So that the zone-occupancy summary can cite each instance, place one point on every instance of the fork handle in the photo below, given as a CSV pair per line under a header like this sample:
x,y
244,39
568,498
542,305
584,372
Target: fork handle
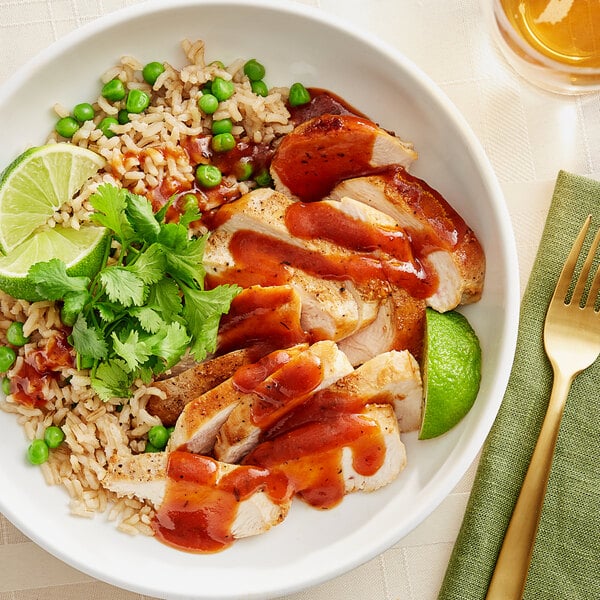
x,y
510,575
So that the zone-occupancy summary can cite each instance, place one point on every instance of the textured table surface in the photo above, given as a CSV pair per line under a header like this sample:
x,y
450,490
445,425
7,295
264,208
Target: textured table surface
x,y
528,135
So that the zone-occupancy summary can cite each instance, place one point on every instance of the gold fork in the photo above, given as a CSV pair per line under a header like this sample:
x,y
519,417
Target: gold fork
x,y
572,343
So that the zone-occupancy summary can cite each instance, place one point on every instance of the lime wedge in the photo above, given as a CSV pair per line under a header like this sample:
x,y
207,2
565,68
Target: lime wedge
x,y
451,371
39,182
82,250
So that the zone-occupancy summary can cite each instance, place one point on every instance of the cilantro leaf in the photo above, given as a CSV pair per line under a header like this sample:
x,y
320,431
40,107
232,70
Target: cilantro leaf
x,y
141,217
173,236
109,311
88,340
73,305
185,263
149,266
165,298
202,311
132,350
149,319
170,343
110,204
111,380
123,286
52,281
190,214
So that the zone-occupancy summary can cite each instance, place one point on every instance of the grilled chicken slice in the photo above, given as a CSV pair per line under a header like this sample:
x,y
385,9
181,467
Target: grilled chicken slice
x,y
317,368
197,426
389,378
193,382
328,457
439,234
324,150
140,475
262,318
164,478
399,325
332,307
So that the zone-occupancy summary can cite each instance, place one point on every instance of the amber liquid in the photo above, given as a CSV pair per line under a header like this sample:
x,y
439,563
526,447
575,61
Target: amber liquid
x,y
565,31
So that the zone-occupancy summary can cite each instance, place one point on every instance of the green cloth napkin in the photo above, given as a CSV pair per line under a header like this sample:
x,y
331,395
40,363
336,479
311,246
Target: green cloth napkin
x,y
566,557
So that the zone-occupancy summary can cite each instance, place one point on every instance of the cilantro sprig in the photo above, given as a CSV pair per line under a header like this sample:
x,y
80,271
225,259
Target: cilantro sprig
x,y
142,312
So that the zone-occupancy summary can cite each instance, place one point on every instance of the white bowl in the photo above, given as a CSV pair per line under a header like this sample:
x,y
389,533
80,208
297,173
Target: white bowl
x,y
295,43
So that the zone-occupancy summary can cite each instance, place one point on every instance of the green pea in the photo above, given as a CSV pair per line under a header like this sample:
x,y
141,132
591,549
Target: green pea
x,y
259,88
243,171
222,126
222,89
150,448
14,334
208,103
298,95
105,126
6,386
254,70
83,112
208,176
158,436
171,429
152,71
189,202
207,88
114,90
54,436
38,452
222,142
7,358
123,117
66,127
263,179
137,101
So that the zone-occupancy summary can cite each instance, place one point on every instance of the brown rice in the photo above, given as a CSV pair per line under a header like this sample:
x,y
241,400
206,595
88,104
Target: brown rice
x,y
145,153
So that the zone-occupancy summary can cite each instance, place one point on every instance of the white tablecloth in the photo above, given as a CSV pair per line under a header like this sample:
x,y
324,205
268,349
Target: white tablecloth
x,y
528,135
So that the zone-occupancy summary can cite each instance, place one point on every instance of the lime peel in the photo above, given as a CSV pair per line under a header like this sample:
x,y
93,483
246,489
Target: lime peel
x,y
451,371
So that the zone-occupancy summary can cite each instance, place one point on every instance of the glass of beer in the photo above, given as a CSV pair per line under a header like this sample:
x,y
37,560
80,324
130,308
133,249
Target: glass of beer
x,y
554,44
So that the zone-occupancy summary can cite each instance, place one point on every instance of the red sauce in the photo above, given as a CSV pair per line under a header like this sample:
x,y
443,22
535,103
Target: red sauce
x,y
200,507
277,387
265,317
377,253
311,455
447,227
40,366
323,152
323,102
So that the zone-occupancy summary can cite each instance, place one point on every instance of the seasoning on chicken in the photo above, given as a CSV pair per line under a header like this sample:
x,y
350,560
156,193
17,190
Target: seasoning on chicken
x,y
323,151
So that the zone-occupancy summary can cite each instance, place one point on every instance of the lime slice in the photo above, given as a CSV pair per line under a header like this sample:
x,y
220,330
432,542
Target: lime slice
x,y
39,182
82,251
451,373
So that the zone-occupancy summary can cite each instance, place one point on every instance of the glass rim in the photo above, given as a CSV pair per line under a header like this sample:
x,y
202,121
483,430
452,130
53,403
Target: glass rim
x,y
528,50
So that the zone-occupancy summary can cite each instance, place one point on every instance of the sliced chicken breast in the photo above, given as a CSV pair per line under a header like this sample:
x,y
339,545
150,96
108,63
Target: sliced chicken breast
x,y
256,498
262,318
197,427
389,378
399,325
140,475
255,413
328,457
332,306
439,235
324,150
193,382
